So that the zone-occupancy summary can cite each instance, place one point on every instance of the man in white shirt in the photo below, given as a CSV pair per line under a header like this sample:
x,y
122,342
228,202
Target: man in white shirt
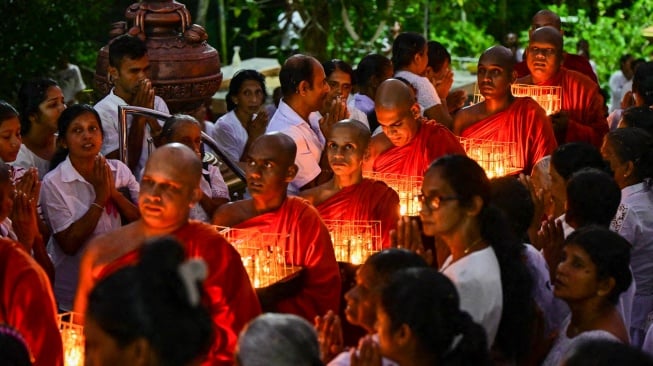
x,y
129,67
618,79
304,87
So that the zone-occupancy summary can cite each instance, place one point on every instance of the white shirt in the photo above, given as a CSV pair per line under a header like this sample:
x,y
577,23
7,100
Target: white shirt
x,y
231,136
65,197
354,113
427,97
309,141
617,82
344,358
477,278
364,103
217,188
27,159
107,108
71,82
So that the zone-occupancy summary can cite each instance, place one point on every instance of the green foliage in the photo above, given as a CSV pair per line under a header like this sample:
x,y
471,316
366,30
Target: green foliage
x,y
464,39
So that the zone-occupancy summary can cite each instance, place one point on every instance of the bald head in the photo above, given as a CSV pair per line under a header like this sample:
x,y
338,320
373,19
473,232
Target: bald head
x,y
498,55
282,145
545,18
548,35
354,129
176,158
394,93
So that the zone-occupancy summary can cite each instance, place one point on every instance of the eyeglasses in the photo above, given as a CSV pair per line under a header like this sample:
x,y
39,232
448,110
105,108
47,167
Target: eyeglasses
x,y
546,52
433,202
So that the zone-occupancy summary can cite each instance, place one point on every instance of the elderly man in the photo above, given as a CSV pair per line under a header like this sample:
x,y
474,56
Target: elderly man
x,y
269,169
547,18
348,196
581,115
168,191
129,68
304,87
503,118
409,143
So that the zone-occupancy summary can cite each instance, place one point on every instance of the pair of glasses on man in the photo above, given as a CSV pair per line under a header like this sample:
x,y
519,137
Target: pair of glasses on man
x,y
433,202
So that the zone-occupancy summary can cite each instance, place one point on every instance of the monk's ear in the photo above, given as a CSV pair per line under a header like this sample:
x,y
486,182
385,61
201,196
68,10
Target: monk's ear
x,y
197,196
416,110
513,76
291,173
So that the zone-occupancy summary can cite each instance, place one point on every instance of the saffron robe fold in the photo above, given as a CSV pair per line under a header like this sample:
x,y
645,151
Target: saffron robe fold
x,y
27,303
584,105
523,122
432,141
230,299
368,200
308,244
570,61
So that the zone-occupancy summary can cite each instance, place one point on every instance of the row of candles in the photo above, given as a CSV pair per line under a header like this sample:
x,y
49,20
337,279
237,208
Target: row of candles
x,y
548,97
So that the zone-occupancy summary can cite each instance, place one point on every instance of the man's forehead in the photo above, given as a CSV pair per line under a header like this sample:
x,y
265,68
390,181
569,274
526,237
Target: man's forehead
x,y
542,44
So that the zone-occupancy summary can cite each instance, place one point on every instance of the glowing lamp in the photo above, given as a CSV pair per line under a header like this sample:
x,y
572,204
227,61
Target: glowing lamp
x,y
496,158
407,187
548,97
264,256
72,337
354,240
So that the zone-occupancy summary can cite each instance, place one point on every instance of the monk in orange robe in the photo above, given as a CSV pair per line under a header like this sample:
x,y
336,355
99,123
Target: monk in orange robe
x,y
409,143
269,169
581,117
544,18
503,118
349,196
168,191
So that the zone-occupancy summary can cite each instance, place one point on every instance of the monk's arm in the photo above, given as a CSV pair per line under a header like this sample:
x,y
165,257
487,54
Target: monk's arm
x,y
594,126
85,284
440,113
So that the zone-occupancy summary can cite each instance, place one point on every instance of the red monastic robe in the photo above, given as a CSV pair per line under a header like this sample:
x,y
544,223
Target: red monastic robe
x,y
432,141
308,245
524,123
231,301
584,105
368,200
28,305
570,61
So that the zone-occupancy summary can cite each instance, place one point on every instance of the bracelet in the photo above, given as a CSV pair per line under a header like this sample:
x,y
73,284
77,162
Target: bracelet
x,y
98,206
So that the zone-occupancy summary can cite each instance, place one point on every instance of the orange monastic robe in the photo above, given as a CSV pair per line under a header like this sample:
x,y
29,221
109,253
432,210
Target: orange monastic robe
x,y
27,303
432,141
584,105
524,123
308,245
368,200
231,299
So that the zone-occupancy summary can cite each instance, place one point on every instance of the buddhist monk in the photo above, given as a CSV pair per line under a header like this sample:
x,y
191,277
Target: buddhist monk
x,y
544,18
409,143
581,116
349,196
501,117
269,169
169,188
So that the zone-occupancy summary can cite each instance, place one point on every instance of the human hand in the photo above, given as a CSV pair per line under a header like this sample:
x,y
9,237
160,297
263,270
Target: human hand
x,y
537,196
551,237
337,112
329,335
24,219
443,84
456,100
408,236
368,353
101,179
144,96
30,185
257,126
628,100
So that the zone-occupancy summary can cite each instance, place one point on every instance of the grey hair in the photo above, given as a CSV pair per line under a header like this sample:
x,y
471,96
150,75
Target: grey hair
x,y
278,340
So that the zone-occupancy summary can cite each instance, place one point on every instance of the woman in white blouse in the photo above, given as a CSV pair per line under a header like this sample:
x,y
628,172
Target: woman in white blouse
x,y
81,196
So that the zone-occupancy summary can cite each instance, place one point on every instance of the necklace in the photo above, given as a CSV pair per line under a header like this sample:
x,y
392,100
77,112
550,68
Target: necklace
x,y
474,244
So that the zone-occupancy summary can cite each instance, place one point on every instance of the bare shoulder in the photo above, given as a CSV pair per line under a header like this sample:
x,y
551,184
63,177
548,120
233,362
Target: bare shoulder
x,y
318,194
232,213
466,117
107,247
378,144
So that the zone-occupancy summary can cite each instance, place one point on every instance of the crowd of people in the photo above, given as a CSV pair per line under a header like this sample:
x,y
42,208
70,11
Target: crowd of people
x,y
546,266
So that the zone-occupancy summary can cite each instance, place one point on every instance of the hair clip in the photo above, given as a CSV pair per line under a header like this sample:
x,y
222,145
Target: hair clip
x,y
191,272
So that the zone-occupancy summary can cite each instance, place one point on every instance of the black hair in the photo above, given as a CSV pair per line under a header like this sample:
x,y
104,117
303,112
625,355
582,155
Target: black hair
x,y
514,199
126,46
7,111
65,119
468,180
336,64
571,157
643,82
237,82
593,198
388,261
405,47
30,95
609,252
427,302
641,117
624,58
636,145
438,54
150,300
170,125
601,352
296,69
373,65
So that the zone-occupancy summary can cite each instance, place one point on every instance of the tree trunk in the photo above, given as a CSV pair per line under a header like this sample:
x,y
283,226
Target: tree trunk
x,y
202,10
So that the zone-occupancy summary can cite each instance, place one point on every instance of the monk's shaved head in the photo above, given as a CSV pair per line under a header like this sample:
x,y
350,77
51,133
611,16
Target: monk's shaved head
x,y
354,129
282,145
498,55
545,18
176,158
548,35
394,93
